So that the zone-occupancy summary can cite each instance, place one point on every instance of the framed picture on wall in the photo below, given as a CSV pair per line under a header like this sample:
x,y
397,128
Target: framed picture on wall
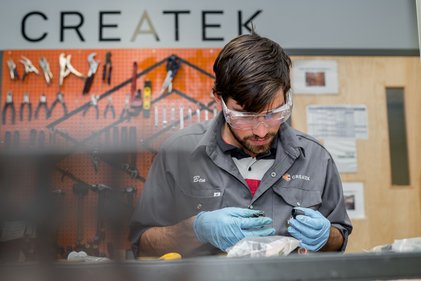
x,y
315,77
354,199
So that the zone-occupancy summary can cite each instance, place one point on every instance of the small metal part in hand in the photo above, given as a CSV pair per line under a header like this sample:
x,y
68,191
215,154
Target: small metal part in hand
x,y
296,212
261,214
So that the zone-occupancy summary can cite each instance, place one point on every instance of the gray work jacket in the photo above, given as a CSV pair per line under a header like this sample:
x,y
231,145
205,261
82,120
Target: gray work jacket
x,y
191,174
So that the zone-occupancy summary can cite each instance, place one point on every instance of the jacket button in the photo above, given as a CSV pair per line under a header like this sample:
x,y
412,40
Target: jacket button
x,y
273,174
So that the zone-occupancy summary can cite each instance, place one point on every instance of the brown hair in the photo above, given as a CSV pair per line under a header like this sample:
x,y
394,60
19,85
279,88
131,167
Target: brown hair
x,y
251,69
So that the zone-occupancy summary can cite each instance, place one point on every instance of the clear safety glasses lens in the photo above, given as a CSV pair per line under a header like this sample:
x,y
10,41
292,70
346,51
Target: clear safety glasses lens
x,y
248,120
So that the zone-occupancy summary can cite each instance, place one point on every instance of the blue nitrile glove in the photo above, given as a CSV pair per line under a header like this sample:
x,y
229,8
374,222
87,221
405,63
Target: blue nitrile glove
x,y
312,229
223,228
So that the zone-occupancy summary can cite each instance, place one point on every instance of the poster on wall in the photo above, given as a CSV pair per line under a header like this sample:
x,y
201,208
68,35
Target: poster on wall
x,y
315,77
354,199
337,121
344,153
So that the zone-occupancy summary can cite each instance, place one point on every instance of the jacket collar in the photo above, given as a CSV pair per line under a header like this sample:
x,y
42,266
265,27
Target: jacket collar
x,y
287,140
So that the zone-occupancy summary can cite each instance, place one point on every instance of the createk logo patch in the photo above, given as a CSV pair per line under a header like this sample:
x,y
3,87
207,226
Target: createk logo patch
x,y
288,177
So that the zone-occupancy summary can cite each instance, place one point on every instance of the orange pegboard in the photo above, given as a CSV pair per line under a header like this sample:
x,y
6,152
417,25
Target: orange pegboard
x,y
78,135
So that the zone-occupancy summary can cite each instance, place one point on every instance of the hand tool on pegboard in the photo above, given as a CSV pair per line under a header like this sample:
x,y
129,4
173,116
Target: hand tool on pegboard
x,y
125,113
164,116
173,118
29,67
147,98
42,104
130,193
58,207
13,72
80,190
135,94
121,206
93,103
156,116
32,137
9,105
190,113
133,82
206,115
107,69
173,65
41,138
66,68
131,166
45,66
93,66
181,116
52,138
109,107
7,139
25,103
65,173
94,155
101,190
16,138
59,99
116,216
198,114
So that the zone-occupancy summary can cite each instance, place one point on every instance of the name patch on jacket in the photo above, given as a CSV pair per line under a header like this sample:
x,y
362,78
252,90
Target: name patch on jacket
x,y
288,177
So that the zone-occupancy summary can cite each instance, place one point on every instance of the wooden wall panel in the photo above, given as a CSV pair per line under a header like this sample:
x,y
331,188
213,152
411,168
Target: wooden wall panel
x,y
392,212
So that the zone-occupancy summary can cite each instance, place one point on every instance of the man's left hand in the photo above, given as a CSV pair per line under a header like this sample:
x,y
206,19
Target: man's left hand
x,y
312,229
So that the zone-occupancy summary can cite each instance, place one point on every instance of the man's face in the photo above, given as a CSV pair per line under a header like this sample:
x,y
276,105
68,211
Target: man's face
x,y
258,138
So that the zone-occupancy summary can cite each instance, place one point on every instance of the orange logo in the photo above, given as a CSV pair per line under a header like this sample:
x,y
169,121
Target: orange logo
x,y
286,177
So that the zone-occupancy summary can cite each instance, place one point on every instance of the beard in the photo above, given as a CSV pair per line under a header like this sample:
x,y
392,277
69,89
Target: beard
x,y
255,149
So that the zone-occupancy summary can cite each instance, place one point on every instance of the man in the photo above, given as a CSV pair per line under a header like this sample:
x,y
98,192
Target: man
x,y
242,173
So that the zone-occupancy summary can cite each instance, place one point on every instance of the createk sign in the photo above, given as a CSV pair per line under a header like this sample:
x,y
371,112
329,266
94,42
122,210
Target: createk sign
x,y
38,26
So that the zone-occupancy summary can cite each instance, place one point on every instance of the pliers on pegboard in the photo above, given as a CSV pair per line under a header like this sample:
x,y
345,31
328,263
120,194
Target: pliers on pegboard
x,y
93,103
59,99
109,107
107,69
173,64
12,69
66,68
42,104
9,104
25,103
93,66
29,67
45,66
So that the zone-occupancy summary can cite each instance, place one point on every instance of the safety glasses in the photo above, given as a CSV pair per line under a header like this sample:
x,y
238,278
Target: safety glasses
x,y
249,120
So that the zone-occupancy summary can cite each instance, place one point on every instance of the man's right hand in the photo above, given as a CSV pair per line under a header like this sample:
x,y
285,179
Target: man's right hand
x,y
223,228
